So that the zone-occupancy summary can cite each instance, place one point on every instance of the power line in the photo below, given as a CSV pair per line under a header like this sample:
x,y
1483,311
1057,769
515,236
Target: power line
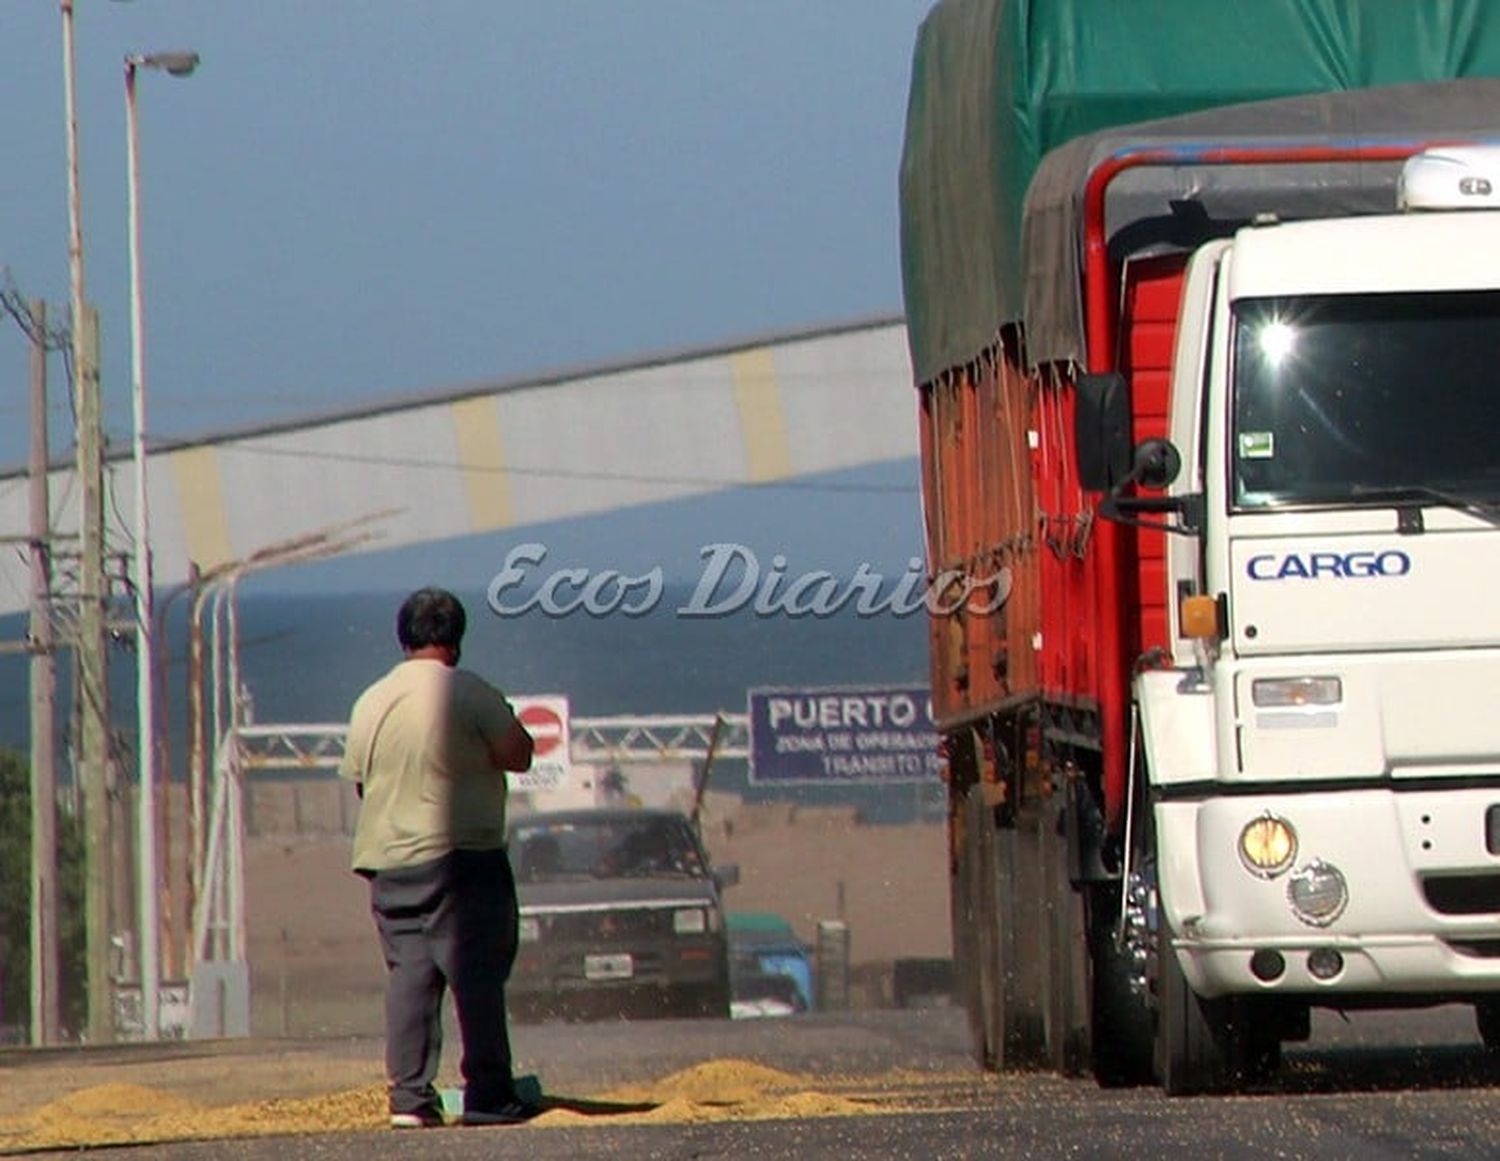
x,y
390,461
37,332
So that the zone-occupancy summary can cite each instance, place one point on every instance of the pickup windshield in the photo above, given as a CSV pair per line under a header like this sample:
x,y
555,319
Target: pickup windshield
x,y
1367,400
610,847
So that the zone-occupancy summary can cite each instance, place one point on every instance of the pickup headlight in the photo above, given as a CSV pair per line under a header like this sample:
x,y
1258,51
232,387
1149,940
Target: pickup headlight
x,y
1267,846
1291,692
529,929
689,921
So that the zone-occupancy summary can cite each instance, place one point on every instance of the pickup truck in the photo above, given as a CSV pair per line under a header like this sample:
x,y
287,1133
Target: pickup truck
x,y
621,915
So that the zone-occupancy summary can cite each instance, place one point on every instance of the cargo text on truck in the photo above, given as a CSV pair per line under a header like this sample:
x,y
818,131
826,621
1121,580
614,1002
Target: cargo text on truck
x,y
1215,388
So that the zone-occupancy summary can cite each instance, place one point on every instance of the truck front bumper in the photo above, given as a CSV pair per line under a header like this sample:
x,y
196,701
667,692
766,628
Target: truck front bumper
x,y
1422,916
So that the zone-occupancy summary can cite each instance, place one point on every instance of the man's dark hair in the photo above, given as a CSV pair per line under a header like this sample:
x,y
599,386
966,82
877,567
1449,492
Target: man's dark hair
x,y
431,616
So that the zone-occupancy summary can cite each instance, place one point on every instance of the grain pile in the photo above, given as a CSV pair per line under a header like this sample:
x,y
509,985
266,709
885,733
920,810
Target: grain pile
x,y
120,1114
125,1114
718,1090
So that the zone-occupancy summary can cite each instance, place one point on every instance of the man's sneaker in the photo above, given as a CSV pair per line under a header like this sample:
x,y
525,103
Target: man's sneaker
x,y
510,1113
426,1119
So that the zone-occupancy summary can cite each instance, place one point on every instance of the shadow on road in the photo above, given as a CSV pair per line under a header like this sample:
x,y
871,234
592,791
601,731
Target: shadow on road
x,y
594,1108
1387,1069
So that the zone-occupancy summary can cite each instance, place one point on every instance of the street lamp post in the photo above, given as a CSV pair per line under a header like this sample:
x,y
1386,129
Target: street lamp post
x,y
205,585
177,64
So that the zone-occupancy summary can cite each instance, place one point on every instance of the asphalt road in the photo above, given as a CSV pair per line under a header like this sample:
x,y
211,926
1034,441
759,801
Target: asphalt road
x,y
1379,1086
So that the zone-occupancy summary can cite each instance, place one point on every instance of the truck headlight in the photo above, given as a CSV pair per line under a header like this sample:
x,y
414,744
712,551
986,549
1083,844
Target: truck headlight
x,y
529,929
1267,846
1318,893
1291,692
689,921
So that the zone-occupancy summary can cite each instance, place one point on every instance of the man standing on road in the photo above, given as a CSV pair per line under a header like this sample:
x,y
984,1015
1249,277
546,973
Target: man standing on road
x,y
428,750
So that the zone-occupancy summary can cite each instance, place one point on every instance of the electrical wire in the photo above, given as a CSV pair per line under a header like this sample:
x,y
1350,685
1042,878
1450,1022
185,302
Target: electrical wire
x,y
123,533
49,338
560,473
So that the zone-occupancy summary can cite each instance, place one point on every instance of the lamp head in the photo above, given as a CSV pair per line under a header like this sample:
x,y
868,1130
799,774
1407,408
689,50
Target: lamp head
x,y
177,64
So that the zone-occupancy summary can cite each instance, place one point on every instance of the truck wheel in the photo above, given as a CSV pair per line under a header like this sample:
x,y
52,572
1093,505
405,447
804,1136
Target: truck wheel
x,y
1190,1032
1487,1017
1219,1045
1065,974
974,920
961,919
1024,950
702,1001
1121,1031
989,936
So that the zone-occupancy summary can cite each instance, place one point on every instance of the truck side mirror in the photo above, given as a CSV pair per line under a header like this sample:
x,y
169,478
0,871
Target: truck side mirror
x,y
1101,431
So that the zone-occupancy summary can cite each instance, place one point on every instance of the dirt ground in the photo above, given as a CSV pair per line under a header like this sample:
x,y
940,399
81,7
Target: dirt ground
x,y
141,1094
316,980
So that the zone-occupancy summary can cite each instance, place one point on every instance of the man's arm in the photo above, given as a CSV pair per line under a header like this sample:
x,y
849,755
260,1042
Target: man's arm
x,y
512,749
507,740
352,764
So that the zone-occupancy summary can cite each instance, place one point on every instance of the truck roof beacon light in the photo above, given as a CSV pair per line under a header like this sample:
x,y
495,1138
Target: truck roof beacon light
x,y
1452,177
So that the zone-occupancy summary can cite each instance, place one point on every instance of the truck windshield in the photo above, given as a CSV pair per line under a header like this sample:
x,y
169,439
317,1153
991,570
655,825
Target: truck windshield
x,y
1367,400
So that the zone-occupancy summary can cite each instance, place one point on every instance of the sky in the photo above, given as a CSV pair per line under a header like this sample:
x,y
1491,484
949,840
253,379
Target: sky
x,y
356,199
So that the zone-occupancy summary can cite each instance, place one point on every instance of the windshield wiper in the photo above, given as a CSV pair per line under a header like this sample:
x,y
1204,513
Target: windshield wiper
x,y
1487,510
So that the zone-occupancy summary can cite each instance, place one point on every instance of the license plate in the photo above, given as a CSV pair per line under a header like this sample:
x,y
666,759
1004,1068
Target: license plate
x,y
608,967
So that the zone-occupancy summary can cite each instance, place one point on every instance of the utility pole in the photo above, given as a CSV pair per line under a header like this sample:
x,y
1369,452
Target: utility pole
x,y
45,1005
91,690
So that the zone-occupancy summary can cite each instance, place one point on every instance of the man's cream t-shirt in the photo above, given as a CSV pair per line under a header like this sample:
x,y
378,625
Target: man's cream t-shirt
x,y
419,742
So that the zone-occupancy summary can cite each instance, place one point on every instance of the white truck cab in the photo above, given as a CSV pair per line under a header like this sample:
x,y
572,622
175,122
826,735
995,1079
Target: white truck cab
x,y
1324,761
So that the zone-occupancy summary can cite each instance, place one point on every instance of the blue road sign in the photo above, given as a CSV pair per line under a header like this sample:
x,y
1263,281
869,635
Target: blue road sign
x,y
843,735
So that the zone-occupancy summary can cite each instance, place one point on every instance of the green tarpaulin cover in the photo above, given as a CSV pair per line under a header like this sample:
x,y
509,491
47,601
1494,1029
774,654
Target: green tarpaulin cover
x,y
998,84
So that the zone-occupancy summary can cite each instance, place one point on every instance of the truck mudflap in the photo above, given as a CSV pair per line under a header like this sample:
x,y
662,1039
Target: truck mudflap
x,y
1370,892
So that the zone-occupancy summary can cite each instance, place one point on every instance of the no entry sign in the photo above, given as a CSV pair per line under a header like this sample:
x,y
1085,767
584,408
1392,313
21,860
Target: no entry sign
x,y
545,717
548,728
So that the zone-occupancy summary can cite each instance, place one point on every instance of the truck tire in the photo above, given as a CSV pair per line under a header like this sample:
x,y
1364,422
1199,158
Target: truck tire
x,y
1210,1046
1190,1032
974,924
988,936
702,1001
1487,1018
961,920
1065,977
1121,1029
1024,948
